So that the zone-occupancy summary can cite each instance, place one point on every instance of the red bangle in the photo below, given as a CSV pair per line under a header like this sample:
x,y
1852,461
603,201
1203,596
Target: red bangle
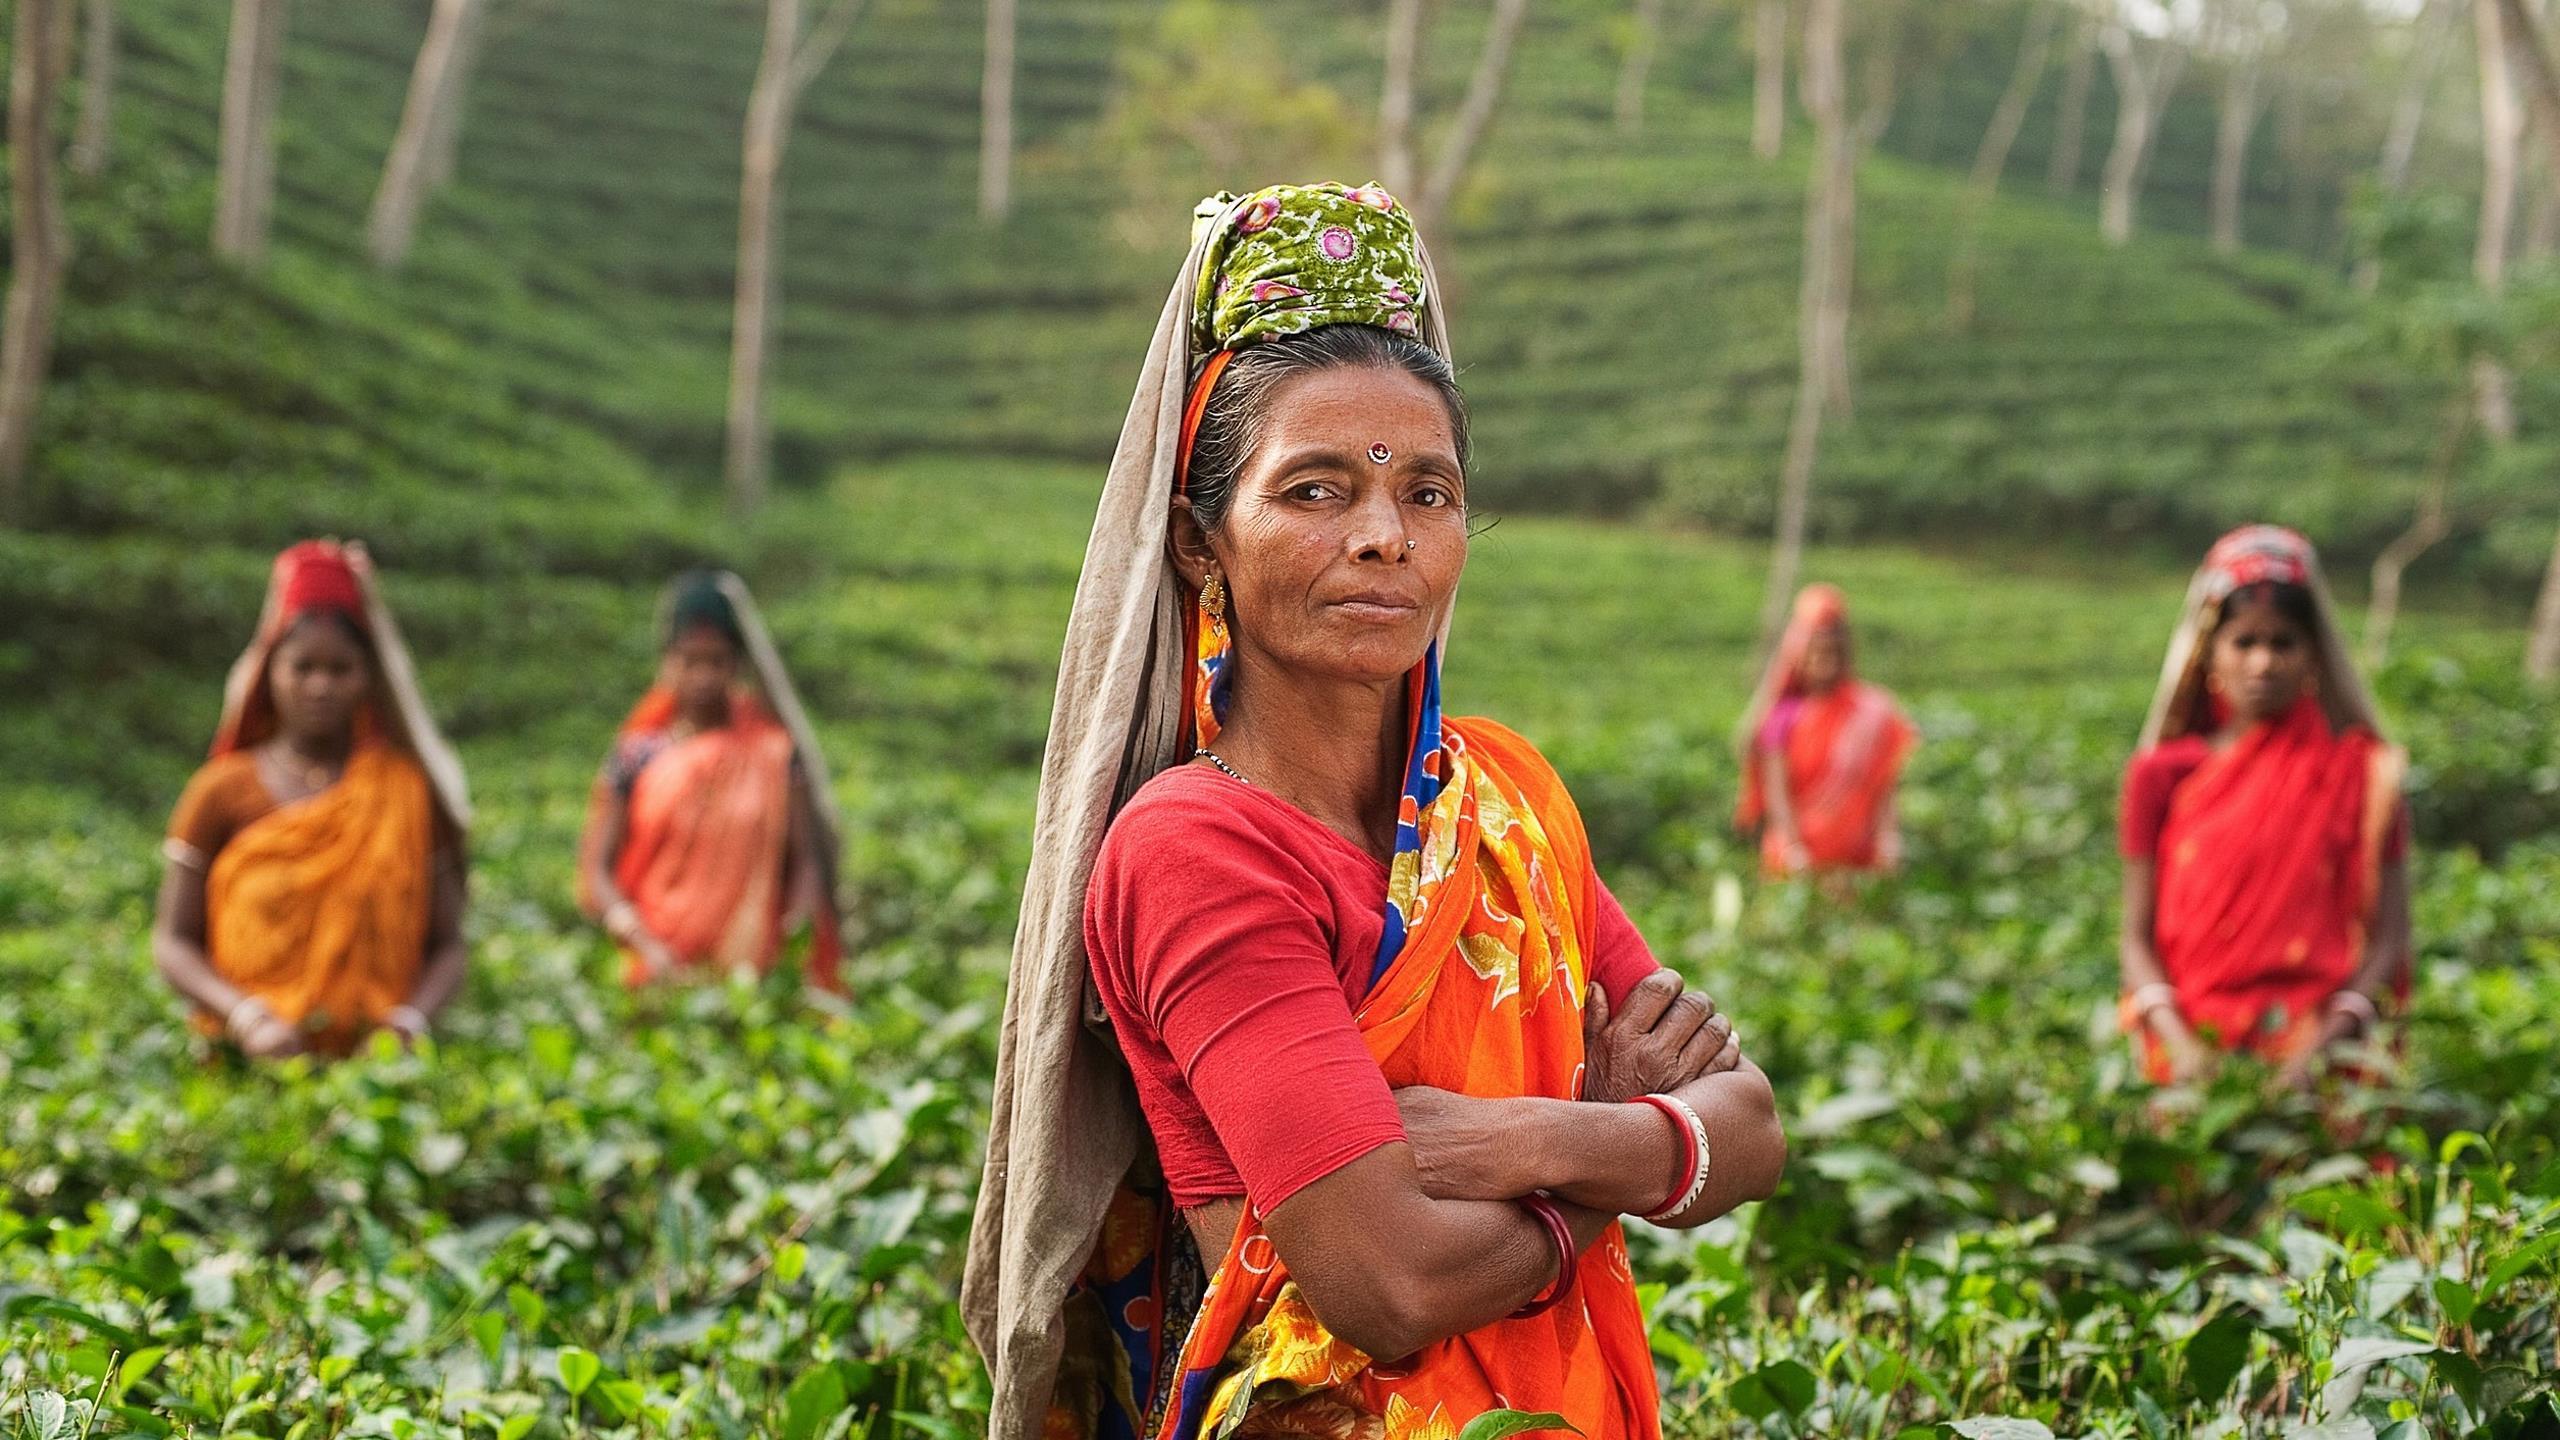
x,y
1688,1152
1562,1234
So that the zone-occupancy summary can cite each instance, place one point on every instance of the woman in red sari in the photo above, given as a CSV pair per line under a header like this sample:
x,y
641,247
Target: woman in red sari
x,y
2266,887
1385,1062
1822,751
711,834
314,887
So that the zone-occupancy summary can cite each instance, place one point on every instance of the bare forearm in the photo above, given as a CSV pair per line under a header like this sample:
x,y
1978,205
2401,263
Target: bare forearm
x,y
182,962
1626,1159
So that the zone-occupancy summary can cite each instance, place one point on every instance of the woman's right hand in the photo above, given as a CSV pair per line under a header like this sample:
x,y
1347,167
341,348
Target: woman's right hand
x,y
656,958
2190,1059
264,1035
1662,1039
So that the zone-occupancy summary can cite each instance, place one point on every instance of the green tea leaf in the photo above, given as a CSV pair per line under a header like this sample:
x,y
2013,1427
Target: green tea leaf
x,y
1502,1424
578,1370
2215,1354
813,1400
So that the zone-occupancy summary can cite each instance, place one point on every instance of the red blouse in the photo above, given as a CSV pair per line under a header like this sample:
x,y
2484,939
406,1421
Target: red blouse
x,y
1230,934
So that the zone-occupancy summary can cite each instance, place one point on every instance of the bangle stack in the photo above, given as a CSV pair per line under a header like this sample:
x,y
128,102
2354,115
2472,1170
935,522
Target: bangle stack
x,y
620,919
2137,1008
1549,1216
408,1020
1696,1158
2358,1004
231,1022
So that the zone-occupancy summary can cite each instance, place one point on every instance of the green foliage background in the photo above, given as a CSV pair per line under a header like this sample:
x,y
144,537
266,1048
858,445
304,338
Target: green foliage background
x,y
733,1212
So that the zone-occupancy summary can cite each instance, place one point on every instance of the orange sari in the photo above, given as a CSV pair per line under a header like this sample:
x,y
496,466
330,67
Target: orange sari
x,y
320,908
1843,750
1484,998
707,841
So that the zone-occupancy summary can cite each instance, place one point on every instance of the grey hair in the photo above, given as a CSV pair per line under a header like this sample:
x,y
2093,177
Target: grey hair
x,y
1231,424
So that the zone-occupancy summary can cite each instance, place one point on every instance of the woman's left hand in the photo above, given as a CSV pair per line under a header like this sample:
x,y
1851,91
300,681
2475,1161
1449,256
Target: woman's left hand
x,y
1456,1145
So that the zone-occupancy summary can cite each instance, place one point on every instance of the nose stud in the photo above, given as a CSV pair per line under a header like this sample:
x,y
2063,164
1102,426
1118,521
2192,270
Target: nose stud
x,y
1379,452
1413,544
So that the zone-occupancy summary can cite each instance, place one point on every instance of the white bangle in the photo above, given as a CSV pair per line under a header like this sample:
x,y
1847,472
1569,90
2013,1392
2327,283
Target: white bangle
x,y
1697,1182
620,919
2358,1004
409,1020
2147,998
231,1018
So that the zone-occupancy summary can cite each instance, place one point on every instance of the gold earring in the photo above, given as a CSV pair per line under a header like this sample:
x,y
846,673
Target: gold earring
x,y
1213,597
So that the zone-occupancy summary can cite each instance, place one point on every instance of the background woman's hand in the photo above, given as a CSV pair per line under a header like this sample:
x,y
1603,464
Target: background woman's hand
x,y
655,958
1662,1039
268,1036
2190,1059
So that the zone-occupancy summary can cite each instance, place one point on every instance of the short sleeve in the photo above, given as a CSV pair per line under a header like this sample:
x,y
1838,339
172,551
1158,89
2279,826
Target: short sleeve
x,y
2149,781
1229,942
208,815
1619,956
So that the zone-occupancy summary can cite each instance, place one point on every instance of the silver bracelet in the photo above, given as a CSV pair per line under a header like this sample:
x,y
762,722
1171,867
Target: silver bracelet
x,y
2359,1004
409,1020
1697,1182
231,1018
2147,998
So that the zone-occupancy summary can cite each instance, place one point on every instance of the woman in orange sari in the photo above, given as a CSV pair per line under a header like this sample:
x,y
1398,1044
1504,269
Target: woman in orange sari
x,y
1329,1066
711,835
2266,887
1822,751
314,886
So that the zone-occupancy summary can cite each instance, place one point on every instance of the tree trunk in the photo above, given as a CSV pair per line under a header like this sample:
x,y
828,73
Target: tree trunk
x,y
1475,114
2542,644
96,128
2231,152
2427,49
1395,98
444,139
436,87
39,239
2502,126
2525,47
1991,158
2071,114
995,115
1768,78
1638,64
2382,610
245,172
2143,83
1827,190
746,465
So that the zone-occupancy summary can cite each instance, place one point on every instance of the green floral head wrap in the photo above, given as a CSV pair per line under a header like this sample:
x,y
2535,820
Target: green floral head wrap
x,y
1295,257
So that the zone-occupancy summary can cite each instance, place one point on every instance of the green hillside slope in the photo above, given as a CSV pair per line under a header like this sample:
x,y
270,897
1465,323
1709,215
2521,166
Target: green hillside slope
x,y
527,420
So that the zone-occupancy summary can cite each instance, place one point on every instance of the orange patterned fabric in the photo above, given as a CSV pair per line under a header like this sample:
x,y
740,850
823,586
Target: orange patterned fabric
x,y
1485,998
320,908
706,840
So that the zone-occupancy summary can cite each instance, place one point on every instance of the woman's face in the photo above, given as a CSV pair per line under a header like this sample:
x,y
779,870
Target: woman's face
x,y
1826,659
701,666
318,678
2261,661
1347,532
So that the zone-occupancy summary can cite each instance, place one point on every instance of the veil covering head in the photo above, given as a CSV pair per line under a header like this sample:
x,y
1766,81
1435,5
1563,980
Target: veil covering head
x,y
2252,555
1065,1126
330,577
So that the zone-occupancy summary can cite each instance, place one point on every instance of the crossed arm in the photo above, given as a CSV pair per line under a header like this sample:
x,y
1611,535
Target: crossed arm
x,y
1416,1242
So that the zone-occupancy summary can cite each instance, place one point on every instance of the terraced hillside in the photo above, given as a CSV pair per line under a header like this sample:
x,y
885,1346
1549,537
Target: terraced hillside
x,y
527,420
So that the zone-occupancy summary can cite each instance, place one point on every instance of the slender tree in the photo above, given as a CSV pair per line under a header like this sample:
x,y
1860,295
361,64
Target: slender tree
x,y
2071,110
1644,37
1395,97
2524,42
793,56
1768,78
245,169
1826,228
2430,37
95,130
2433,522
2146,73
1991,158
2242,31
2502,127
39,237
995,115
1475,113
429,118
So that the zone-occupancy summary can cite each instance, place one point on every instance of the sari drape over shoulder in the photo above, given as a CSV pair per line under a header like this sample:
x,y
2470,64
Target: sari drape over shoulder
x,y
1844,750
707,839
2269,857
321,908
